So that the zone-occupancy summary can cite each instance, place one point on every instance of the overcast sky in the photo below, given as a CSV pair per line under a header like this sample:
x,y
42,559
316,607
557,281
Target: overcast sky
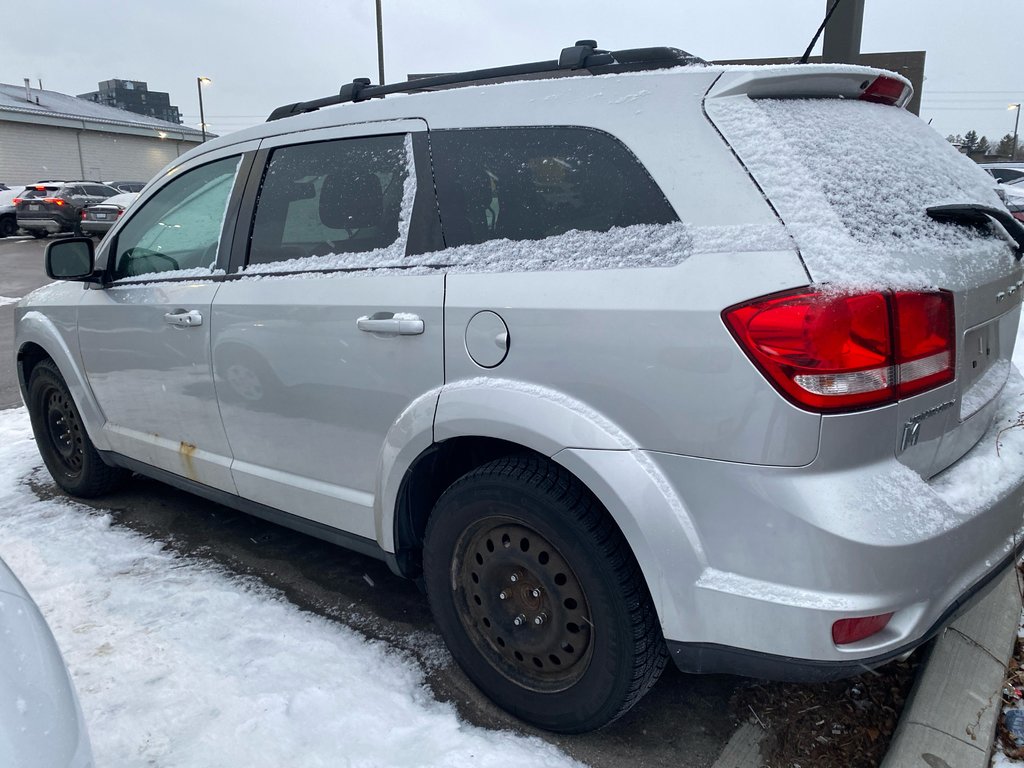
x,y
261,53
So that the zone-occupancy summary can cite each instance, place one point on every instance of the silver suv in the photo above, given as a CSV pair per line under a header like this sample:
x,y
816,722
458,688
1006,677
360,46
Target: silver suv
x,y
625,356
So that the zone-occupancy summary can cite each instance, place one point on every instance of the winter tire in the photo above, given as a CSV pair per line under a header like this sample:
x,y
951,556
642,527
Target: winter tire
x,y
539,597
66,449
8,226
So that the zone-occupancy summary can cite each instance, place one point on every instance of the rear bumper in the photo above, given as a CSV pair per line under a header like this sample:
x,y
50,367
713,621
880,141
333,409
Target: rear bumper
x,y
52,226
96,227
704,658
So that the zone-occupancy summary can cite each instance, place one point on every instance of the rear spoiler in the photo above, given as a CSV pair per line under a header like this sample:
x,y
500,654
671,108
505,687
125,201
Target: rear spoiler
x,y
814,81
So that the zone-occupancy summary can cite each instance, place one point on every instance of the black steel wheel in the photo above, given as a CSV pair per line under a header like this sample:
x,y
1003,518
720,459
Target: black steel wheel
x,y
63,443
8,226
539,597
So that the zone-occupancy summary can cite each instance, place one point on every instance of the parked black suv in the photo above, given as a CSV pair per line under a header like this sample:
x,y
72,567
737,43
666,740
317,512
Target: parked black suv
x,y
47,208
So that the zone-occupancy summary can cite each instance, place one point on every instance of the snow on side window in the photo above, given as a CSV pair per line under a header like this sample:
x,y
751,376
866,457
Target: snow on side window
x,y
334,205
852,181
538,182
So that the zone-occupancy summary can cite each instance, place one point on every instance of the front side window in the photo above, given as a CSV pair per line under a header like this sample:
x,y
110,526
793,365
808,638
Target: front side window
x,y
333,197
534,183
179,227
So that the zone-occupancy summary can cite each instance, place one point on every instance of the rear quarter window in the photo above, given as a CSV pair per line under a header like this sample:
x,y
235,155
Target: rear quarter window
x,y
538,182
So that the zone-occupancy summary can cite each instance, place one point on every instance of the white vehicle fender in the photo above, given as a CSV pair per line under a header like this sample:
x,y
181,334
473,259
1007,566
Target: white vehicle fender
x,y
36,328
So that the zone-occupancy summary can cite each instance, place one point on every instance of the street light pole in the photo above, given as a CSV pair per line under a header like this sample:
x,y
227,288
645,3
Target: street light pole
x,y
1016,122
200,82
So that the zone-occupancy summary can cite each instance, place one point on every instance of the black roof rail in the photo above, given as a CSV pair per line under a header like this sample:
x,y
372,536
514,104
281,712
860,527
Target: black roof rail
x,y
584,55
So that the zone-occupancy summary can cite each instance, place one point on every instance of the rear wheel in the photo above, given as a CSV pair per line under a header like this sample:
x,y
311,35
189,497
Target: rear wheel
x,y
539,597
66,449
8,226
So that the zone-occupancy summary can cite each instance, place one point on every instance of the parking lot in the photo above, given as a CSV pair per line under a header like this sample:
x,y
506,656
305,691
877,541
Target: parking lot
x,y
685,721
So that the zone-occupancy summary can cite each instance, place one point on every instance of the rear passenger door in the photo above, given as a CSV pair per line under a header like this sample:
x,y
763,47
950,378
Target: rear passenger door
x,y
321,336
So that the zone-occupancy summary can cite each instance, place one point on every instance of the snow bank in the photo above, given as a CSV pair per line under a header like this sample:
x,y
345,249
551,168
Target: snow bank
x,y
178,663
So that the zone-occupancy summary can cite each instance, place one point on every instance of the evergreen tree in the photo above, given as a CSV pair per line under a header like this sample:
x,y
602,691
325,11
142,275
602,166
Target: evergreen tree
x,y
1005,146
970,141
983,146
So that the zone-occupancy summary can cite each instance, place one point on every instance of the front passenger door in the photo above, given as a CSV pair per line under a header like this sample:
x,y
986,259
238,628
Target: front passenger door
x,y
145,338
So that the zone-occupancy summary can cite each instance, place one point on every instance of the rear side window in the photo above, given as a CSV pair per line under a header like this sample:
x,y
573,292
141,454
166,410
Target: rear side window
x,y
533,183
332,197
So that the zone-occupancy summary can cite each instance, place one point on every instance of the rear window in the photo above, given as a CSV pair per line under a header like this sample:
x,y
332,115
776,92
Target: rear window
x,y
534,183
853,180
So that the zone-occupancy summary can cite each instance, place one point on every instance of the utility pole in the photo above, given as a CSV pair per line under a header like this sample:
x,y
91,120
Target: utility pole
x,y
1016,122
843,32
380,45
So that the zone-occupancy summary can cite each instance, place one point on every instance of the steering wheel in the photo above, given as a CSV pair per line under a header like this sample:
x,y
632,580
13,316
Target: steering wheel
x,y
134,258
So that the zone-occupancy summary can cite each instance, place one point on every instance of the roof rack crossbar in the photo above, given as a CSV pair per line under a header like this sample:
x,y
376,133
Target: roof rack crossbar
x,y
583,55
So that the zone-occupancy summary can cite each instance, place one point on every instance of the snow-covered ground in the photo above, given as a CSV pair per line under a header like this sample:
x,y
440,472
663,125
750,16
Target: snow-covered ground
x,y
179,663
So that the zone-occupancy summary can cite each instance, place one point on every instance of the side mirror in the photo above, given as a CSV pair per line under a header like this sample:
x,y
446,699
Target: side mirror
x,y
72,258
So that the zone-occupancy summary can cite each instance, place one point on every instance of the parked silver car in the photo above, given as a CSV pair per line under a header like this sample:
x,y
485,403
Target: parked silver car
x,y
41,724
97,219
636,359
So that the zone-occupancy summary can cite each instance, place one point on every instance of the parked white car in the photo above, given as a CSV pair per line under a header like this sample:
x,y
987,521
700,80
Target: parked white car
x,y
41,724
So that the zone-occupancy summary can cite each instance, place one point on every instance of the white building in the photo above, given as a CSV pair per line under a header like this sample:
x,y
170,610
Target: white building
x,y
50,135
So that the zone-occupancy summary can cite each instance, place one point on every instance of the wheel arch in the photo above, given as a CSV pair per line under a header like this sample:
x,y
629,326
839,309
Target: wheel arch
x,y
474,425
40,339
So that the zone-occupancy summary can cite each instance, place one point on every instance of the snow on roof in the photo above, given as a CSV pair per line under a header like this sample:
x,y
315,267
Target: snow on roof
x,y
51,104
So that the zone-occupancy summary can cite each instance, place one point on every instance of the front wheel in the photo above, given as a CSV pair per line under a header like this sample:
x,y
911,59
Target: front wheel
x,y
66,449
539,597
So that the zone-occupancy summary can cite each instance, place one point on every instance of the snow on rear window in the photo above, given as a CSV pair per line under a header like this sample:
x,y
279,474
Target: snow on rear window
x,y
852,180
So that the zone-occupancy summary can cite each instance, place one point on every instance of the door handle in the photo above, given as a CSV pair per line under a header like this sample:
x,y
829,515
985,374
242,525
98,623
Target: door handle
x,y
389,324
184,319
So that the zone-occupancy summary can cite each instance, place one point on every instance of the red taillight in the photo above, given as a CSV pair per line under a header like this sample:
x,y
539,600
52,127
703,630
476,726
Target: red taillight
x,y
840,352
884,90
83,213
16,200
120,212
41,189
847,631
924,334
53,200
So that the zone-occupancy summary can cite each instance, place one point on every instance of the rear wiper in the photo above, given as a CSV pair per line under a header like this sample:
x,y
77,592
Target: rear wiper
x,y
970,213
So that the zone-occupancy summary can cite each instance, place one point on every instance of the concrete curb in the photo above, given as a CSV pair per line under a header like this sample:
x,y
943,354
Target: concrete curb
x,y
950,718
